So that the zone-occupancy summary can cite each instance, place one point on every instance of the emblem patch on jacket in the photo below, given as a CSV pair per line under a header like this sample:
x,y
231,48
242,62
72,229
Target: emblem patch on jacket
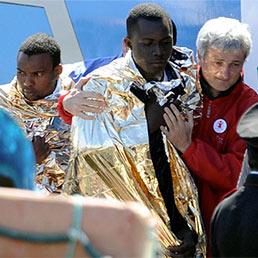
x,y
220,126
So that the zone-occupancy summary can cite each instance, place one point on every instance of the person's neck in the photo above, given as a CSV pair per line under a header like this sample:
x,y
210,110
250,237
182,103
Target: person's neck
x,y
207,88
155,78
52,91
150,77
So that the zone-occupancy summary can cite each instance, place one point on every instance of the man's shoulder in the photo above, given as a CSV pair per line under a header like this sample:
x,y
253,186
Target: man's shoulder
x,y
243,98
246,95
95,63
118,74
112,69
5,88
182,57
81,69
247,90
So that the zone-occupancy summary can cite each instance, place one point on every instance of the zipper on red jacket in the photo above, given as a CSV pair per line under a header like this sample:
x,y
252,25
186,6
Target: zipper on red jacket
x,y
208,113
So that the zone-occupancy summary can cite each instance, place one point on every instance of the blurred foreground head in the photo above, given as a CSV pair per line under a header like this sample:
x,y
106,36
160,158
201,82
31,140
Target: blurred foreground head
x,y
248,130
17,162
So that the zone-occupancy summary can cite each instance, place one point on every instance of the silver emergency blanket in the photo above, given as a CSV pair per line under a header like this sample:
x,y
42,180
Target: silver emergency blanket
x,y
40,118
111,156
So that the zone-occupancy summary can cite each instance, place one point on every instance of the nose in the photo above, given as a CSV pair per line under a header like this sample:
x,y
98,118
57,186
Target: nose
x,y
156,49
27,80
224,73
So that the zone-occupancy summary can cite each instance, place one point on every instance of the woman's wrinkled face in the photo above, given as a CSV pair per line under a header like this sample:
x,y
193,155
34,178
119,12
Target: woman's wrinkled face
x,y
222,68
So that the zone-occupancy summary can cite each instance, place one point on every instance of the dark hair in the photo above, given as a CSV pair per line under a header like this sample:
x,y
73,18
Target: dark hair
x,y
147,11
252,152
174,32
42,43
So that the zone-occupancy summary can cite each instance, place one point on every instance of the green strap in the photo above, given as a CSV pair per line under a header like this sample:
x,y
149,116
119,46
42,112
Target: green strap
x,y
155,246
73,235
33,237
76,234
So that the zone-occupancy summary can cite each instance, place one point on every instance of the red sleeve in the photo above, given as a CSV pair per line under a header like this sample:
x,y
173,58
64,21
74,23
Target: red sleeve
x,y
67,117
220,171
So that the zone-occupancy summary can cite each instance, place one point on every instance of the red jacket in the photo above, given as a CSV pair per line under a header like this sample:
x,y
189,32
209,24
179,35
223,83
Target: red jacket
x,y
216,153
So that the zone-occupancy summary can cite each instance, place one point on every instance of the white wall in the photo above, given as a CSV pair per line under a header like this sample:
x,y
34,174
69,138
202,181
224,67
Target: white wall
x,y
60,24
249,15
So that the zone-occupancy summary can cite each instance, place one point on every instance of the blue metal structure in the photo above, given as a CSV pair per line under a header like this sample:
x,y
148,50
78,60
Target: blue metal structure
x,y
98,25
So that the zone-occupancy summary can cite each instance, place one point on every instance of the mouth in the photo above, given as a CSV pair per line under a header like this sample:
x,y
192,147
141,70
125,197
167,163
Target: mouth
x,y
28,94
158,63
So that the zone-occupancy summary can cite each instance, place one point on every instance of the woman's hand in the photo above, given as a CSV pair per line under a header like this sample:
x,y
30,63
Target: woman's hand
x,y
178,129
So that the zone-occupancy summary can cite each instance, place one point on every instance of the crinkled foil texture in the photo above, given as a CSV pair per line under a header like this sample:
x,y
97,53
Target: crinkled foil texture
x,y
186,198
40,118
111,156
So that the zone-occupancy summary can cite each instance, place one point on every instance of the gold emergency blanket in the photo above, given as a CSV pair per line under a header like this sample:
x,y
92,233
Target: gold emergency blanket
x,y
186,197
111,156
40,118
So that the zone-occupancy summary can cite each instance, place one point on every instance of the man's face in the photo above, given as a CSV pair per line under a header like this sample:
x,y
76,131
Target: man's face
x,y
151,45
36,75
221,69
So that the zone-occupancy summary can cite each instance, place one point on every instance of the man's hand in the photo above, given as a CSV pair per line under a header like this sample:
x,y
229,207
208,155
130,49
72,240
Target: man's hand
x,y
187,248
78,102
41,148
178,129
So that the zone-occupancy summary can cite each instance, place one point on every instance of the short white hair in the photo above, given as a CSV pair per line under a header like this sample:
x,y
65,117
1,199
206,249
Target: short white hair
x,y
225,34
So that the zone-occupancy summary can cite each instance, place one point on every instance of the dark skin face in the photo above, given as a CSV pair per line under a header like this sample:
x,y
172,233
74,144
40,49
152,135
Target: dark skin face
x,y
151,45
37,79
36,75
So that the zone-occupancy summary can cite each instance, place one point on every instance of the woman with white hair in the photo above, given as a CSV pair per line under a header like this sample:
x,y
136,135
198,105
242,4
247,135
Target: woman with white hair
x,y
211,147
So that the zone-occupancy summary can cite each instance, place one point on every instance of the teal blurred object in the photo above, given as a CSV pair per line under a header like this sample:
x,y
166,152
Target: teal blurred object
x,y
17,161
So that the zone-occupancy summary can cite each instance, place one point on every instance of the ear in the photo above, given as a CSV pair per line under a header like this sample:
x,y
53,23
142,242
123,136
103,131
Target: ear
x,y
58,69
127,42
125,47
199,58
